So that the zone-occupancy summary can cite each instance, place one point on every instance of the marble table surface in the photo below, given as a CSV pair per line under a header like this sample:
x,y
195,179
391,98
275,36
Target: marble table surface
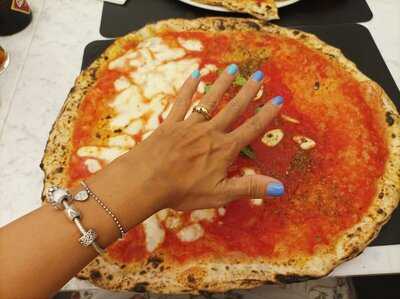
x,y
46,58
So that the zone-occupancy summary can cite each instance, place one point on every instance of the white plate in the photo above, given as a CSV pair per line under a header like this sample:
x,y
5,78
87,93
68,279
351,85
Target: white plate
x,y
280,4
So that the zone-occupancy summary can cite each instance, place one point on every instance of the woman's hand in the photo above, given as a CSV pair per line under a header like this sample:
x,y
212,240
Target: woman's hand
x,y
183,164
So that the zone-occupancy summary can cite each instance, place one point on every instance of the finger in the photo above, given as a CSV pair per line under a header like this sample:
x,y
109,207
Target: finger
x,y
216,92
252,186
256,125
239,103
184,98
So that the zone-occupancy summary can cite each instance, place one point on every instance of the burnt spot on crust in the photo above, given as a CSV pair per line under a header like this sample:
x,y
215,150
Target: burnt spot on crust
x,y
59,169
296,32
389,119
95,274
381,195
110,277
380,211
155,261
219,24
316,85
191,279
303,36
291,278
143,272
140,287
253,25
393,136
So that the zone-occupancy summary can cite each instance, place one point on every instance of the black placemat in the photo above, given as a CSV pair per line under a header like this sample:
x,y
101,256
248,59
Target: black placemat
x,y
118,20
357,44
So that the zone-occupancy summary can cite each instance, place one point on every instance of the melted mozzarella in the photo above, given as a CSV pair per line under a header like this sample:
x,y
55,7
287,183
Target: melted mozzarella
x,y
155,234
134,127
191,44
107,154
208,68
205,214
121,83
165,78
129,105
173,222
162,215
92,165
122,61
122,141
191,233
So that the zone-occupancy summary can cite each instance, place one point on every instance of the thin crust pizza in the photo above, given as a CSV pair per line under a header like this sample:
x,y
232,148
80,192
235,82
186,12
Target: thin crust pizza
x,y
335,145
261,9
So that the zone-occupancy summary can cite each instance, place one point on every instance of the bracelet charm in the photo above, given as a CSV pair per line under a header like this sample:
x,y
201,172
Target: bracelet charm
x,y
60,199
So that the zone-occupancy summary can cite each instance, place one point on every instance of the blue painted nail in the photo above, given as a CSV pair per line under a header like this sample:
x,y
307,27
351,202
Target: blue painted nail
x,y
196,74
232,69
277,101
258,76
275,189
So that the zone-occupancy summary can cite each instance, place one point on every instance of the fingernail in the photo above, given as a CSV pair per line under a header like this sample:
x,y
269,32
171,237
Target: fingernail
x,y
277,100
232,69
275,189
258,76
196,74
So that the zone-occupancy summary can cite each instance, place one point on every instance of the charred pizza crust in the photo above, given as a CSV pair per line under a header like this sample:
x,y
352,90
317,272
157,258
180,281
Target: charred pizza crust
x,y
265,10
155,274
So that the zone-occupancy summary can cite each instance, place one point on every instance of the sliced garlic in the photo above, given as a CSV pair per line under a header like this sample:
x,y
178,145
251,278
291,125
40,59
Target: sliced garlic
x,y
248,171
272,137
221,211
259,93
305,143
289,119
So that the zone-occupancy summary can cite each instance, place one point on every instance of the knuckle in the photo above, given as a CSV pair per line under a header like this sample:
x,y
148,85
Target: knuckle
x,y
252,186
255,124
235,104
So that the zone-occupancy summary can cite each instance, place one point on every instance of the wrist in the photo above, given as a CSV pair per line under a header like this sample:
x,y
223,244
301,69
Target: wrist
x,y
127,195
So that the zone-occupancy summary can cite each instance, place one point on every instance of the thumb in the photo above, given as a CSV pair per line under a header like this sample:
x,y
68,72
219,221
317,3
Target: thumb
x,y
253,186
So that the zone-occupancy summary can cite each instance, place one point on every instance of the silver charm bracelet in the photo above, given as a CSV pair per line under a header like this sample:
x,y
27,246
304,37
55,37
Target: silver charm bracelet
x,y
61,199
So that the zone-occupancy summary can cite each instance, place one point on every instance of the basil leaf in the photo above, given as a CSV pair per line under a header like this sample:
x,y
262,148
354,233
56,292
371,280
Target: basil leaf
x,y
248,152
240,80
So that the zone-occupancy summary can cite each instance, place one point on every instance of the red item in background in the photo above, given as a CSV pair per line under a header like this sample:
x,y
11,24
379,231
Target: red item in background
x,y
15,15
21,6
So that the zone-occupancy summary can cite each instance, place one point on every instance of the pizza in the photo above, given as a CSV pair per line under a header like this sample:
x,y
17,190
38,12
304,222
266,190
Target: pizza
x,y
261,9
335,146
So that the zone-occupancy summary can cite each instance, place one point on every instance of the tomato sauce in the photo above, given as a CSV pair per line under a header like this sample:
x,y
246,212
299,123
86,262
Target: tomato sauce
x,y
328,188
